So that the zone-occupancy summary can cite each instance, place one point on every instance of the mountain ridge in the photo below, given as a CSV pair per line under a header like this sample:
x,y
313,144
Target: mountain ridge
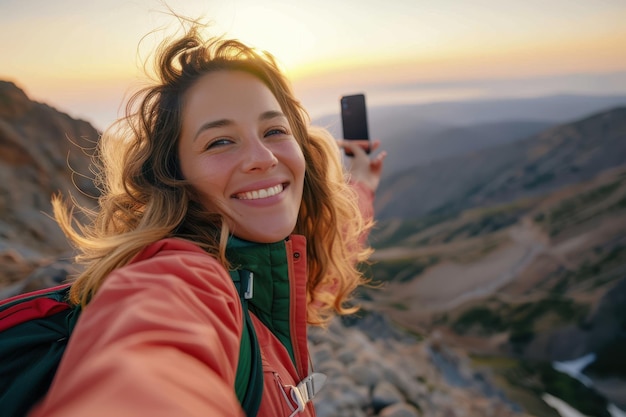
x,y
500,173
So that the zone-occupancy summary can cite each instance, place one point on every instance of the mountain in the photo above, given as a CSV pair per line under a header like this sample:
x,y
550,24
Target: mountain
x,y
419,149
517,255
562,155
532,289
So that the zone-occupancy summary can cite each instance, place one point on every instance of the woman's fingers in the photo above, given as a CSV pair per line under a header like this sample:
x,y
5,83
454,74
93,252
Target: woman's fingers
x,y
363,167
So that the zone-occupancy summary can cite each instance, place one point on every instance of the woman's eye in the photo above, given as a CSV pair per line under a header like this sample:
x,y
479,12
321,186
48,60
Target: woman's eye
x,y
276,131
217,143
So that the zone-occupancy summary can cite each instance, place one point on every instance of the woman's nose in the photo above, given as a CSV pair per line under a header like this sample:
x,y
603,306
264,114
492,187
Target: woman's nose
x,y
257,155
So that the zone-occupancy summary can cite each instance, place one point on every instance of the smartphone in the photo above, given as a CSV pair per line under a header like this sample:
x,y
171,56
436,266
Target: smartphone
x,y
354,119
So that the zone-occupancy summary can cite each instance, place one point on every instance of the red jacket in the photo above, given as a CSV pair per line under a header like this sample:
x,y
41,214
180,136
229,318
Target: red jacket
x,y
161,338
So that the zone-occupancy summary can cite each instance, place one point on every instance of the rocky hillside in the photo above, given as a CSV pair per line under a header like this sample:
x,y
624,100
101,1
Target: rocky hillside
x,y
42,152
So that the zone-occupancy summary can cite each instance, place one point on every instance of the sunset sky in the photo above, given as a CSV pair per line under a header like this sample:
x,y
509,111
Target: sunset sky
x,y
83,58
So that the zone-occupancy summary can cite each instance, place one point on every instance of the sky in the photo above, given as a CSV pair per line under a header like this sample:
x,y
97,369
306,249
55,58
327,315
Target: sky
x,y
86,57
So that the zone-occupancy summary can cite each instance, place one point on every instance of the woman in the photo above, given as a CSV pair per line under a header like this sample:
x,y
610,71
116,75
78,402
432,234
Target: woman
x,y
217,170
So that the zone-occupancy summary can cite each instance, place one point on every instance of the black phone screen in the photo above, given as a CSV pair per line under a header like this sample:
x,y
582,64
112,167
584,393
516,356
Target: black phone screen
x,y
354,117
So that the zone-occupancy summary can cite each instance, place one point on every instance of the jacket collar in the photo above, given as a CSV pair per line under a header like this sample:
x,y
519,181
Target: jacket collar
x,y
270,300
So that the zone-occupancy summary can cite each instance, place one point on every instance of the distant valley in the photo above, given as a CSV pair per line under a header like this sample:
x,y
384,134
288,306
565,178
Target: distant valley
x,y
516,252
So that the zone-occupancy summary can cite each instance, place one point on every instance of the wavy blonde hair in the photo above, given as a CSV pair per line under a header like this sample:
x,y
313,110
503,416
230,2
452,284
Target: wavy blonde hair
x,y
145,197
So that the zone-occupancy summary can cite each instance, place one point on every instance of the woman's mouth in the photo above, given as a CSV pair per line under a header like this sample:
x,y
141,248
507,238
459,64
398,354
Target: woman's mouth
x,y
263,193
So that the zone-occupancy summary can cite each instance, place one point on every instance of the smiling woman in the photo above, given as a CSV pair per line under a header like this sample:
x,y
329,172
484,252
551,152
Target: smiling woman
x,y
255,165
227,224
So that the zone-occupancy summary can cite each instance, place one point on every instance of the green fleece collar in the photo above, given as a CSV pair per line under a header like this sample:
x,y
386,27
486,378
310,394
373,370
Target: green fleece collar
x,y
270,301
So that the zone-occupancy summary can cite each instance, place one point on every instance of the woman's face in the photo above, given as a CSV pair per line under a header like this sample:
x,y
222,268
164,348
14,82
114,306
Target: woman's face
x,y
237,150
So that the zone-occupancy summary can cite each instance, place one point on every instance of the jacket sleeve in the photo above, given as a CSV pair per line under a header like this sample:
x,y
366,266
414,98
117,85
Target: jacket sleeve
x,y
160,338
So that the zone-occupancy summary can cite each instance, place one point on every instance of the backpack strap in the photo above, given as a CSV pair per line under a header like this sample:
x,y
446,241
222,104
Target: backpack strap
x,y
249,378
33,305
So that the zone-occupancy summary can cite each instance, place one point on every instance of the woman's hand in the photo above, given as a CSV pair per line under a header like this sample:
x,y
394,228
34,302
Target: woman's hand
x,y
362,167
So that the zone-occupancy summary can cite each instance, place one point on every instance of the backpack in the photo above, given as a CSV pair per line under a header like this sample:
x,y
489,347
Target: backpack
x,y
35,328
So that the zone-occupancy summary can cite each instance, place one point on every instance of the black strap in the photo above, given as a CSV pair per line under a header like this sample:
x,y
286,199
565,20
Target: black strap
x,y
251,399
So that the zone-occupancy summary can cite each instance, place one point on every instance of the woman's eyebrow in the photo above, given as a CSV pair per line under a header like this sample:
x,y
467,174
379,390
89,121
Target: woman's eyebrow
x,y
212,125
271,114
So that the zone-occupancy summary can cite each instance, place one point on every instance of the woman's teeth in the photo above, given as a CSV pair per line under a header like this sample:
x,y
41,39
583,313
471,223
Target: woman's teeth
x,y
256,194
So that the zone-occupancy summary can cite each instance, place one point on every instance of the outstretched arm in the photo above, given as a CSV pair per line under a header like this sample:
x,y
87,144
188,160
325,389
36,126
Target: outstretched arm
x,y
161,338
365,172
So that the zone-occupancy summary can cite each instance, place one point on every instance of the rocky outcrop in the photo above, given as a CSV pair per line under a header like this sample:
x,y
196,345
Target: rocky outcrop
x,y
392,377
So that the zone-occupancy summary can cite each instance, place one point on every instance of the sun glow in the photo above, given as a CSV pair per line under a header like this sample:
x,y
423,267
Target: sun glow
x,y
291,45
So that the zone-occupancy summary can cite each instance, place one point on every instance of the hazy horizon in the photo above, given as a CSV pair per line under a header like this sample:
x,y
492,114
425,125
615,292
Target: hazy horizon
x,y
85,58
322,102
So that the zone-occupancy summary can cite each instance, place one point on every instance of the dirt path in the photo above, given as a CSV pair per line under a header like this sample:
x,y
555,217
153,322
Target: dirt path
x,y
448,285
